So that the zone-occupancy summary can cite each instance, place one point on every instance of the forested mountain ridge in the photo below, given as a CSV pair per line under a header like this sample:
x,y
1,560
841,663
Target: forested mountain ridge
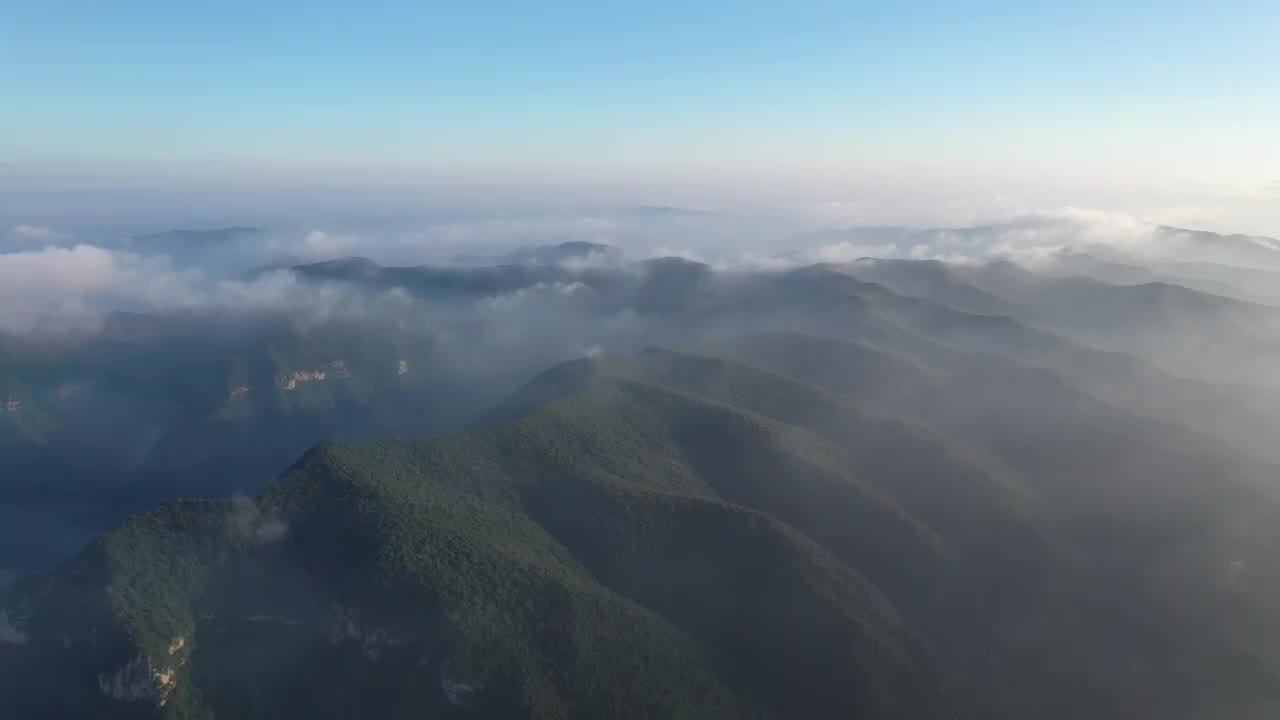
x,y
768,525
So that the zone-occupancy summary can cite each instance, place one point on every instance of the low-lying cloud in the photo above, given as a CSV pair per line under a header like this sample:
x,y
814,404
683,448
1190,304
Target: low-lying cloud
x,y
50,283
59,286
36,234
1039,238
249,523
322,245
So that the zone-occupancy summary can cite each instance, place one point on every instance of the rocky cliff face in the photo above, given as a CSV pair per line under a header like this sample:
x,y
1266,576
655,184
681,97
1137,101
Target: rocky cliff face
x,y
291,380
143,679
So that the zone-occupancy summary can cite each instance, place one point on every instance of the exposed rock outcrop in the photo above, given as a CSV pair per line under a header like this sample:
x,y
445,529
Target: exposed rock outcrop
x,y
141,680
291,380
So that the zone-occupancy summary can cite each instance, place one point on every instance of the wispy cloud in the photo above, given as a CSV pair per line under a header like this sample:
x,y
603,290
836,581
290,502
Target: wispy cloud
x,y
36,234
249,523
663,251
9,633
321,245
69,285
1032,238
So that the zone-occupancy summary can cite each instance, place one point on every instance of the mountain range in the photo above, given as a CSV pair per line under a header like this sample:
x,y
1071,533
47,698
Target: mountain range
x,y
1195,334
773,525
881,489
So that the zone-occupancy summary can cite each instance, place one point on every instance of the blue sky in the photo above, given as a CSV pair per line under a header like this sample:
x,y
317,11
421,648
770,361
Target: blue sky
x,y
1136,93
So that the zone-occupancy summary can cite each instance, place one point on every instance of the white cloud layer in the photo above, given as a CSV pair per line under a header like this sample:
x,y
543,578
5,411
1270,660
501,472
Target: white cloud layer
x,y
321,245
56,284
1034,238
67,286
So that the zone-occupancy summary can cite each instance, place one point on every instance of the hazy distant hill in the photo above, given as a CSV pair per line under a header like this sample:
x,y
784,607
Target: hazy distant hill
x,y
451,283
1259,286
1243,251
1037,236
566,252
1193,333
188,240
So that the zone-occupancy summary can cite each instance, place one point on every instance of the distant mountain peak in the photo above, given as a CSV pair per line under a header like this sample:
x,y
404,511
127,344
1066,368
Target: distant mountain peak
x,y
197,238
563,253
354,266
675,261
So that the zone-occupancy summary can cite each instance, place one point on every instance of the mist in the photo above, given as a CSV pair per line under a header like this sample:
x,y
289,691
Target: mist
x,y
1072,374
688,360
152,353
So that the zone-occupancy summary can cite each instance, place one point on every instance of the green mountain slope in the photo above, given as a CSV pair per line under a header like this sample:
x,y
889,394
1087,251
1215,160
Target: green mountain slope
x,y
158,407
518,560
774,526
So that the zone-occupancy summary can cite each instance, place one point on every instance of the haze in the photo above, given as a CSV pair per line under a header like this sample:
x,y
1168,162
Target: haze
x,y
928,114
501,360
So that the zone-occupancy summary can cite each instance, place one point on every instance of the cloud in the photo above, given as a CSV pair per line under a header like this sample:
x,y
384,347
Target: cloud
x,y
321,245
247,522
58,270
36,234
70,285
664,251
594,260
55,283
1027,238
543,293
754,262
880,209
9,633
848,251
470,241
59,289
1034,239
